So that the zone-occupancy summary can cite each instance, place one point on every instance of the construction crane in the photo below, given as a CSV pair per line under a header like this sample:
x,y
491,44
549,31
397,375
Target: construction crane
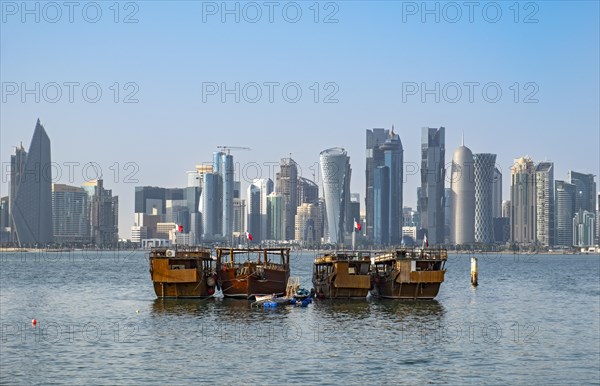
x,y
230,148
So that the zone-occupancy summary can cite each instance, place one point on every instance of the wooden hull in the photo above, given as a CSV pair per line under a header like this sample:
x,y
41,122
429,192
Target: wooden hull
x,y
182,290
181,282
408,291
417,285
247,285
328,291
337,288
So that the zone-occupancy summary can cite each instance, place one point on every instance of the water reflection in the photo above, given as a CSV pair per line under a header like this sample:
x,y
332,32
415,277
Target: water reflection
x,y
341,309
400,310
181,306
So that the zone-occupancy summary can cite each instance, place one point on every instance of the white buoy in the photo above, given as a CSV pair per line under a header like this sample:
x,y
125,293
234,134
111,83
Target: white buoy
x,y
474,271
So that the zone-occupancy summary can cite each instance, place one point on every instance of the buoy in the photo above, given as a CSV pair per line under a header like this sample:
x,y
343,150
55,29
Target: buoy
x,y
33,322
474,271
137,311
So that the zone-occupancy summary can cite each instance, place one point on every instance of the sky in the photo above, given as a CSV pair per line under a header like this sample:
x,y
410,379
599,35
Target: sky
x,y
145,90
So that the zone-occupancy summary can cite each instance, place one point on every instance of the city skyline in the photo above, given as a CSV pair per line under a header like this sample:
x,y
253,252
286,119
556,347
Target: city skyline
x,y
196,52
194,178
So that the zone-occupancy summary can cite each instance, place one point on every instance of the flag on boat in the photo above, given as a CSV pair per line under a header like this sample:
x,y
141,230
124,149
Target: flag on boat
x,y
425,242
179,228
357,225
248,236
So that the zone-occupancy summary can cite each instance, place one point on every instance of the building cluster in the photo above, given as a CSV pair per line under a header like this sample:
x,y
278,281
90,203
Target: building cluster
x,y
470,212
461,206
541,211
213,208
40,213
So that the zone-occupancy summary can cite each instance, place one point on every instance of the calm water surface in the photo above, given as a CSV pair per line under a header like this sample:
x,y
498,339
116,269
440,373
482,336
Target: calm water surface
x,y
534,319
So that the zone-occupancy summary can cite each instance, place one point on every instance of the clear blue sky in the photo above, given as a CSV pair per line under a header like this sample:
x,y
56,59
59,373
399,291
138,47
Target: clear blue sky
x,y
374,51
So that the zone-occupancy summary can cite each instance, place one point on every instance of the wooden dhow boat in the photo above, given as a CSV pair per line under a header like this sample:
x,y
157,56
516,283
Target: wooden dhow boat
x,y
409,273
342,275
183,272
250,272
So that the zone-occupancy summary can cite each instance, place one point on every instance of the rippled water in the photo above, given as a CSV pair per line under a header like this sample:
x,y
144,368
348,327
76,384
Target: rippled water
x,y
534,319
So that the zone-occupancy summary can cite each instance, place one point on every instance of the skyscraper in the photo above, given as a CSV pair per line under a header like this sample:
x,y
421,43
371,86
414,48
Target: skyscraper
x,y
522,200
104,214
583,228
484,183
209,207
70,214
226,171
258,219
375,138
253,222
287,186
4,213
462,184
387,192
381,207
497,193
308,191
276,213
544,187
336,172
308,223
585,191
506,208
598,221
564,210
433,173
31,200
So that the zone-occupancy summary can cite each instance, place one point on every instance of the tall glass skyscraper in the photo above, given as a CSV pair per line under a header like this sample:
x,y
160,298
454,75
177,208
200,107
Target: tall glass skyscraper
x,y
375,138
522,201
462,184
276,213
497,194
544,188
564,210
387,189
583,228
585,191
433,174
227,171
70,214
484,182
287,186
258,217
209,209
31,200
336,172
381,208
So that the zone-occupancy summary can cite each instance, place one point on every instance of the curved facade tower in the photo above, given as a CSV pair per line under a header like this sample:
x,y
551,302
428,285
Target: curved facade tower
x,y
31,188
485,164
335,169
462,185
